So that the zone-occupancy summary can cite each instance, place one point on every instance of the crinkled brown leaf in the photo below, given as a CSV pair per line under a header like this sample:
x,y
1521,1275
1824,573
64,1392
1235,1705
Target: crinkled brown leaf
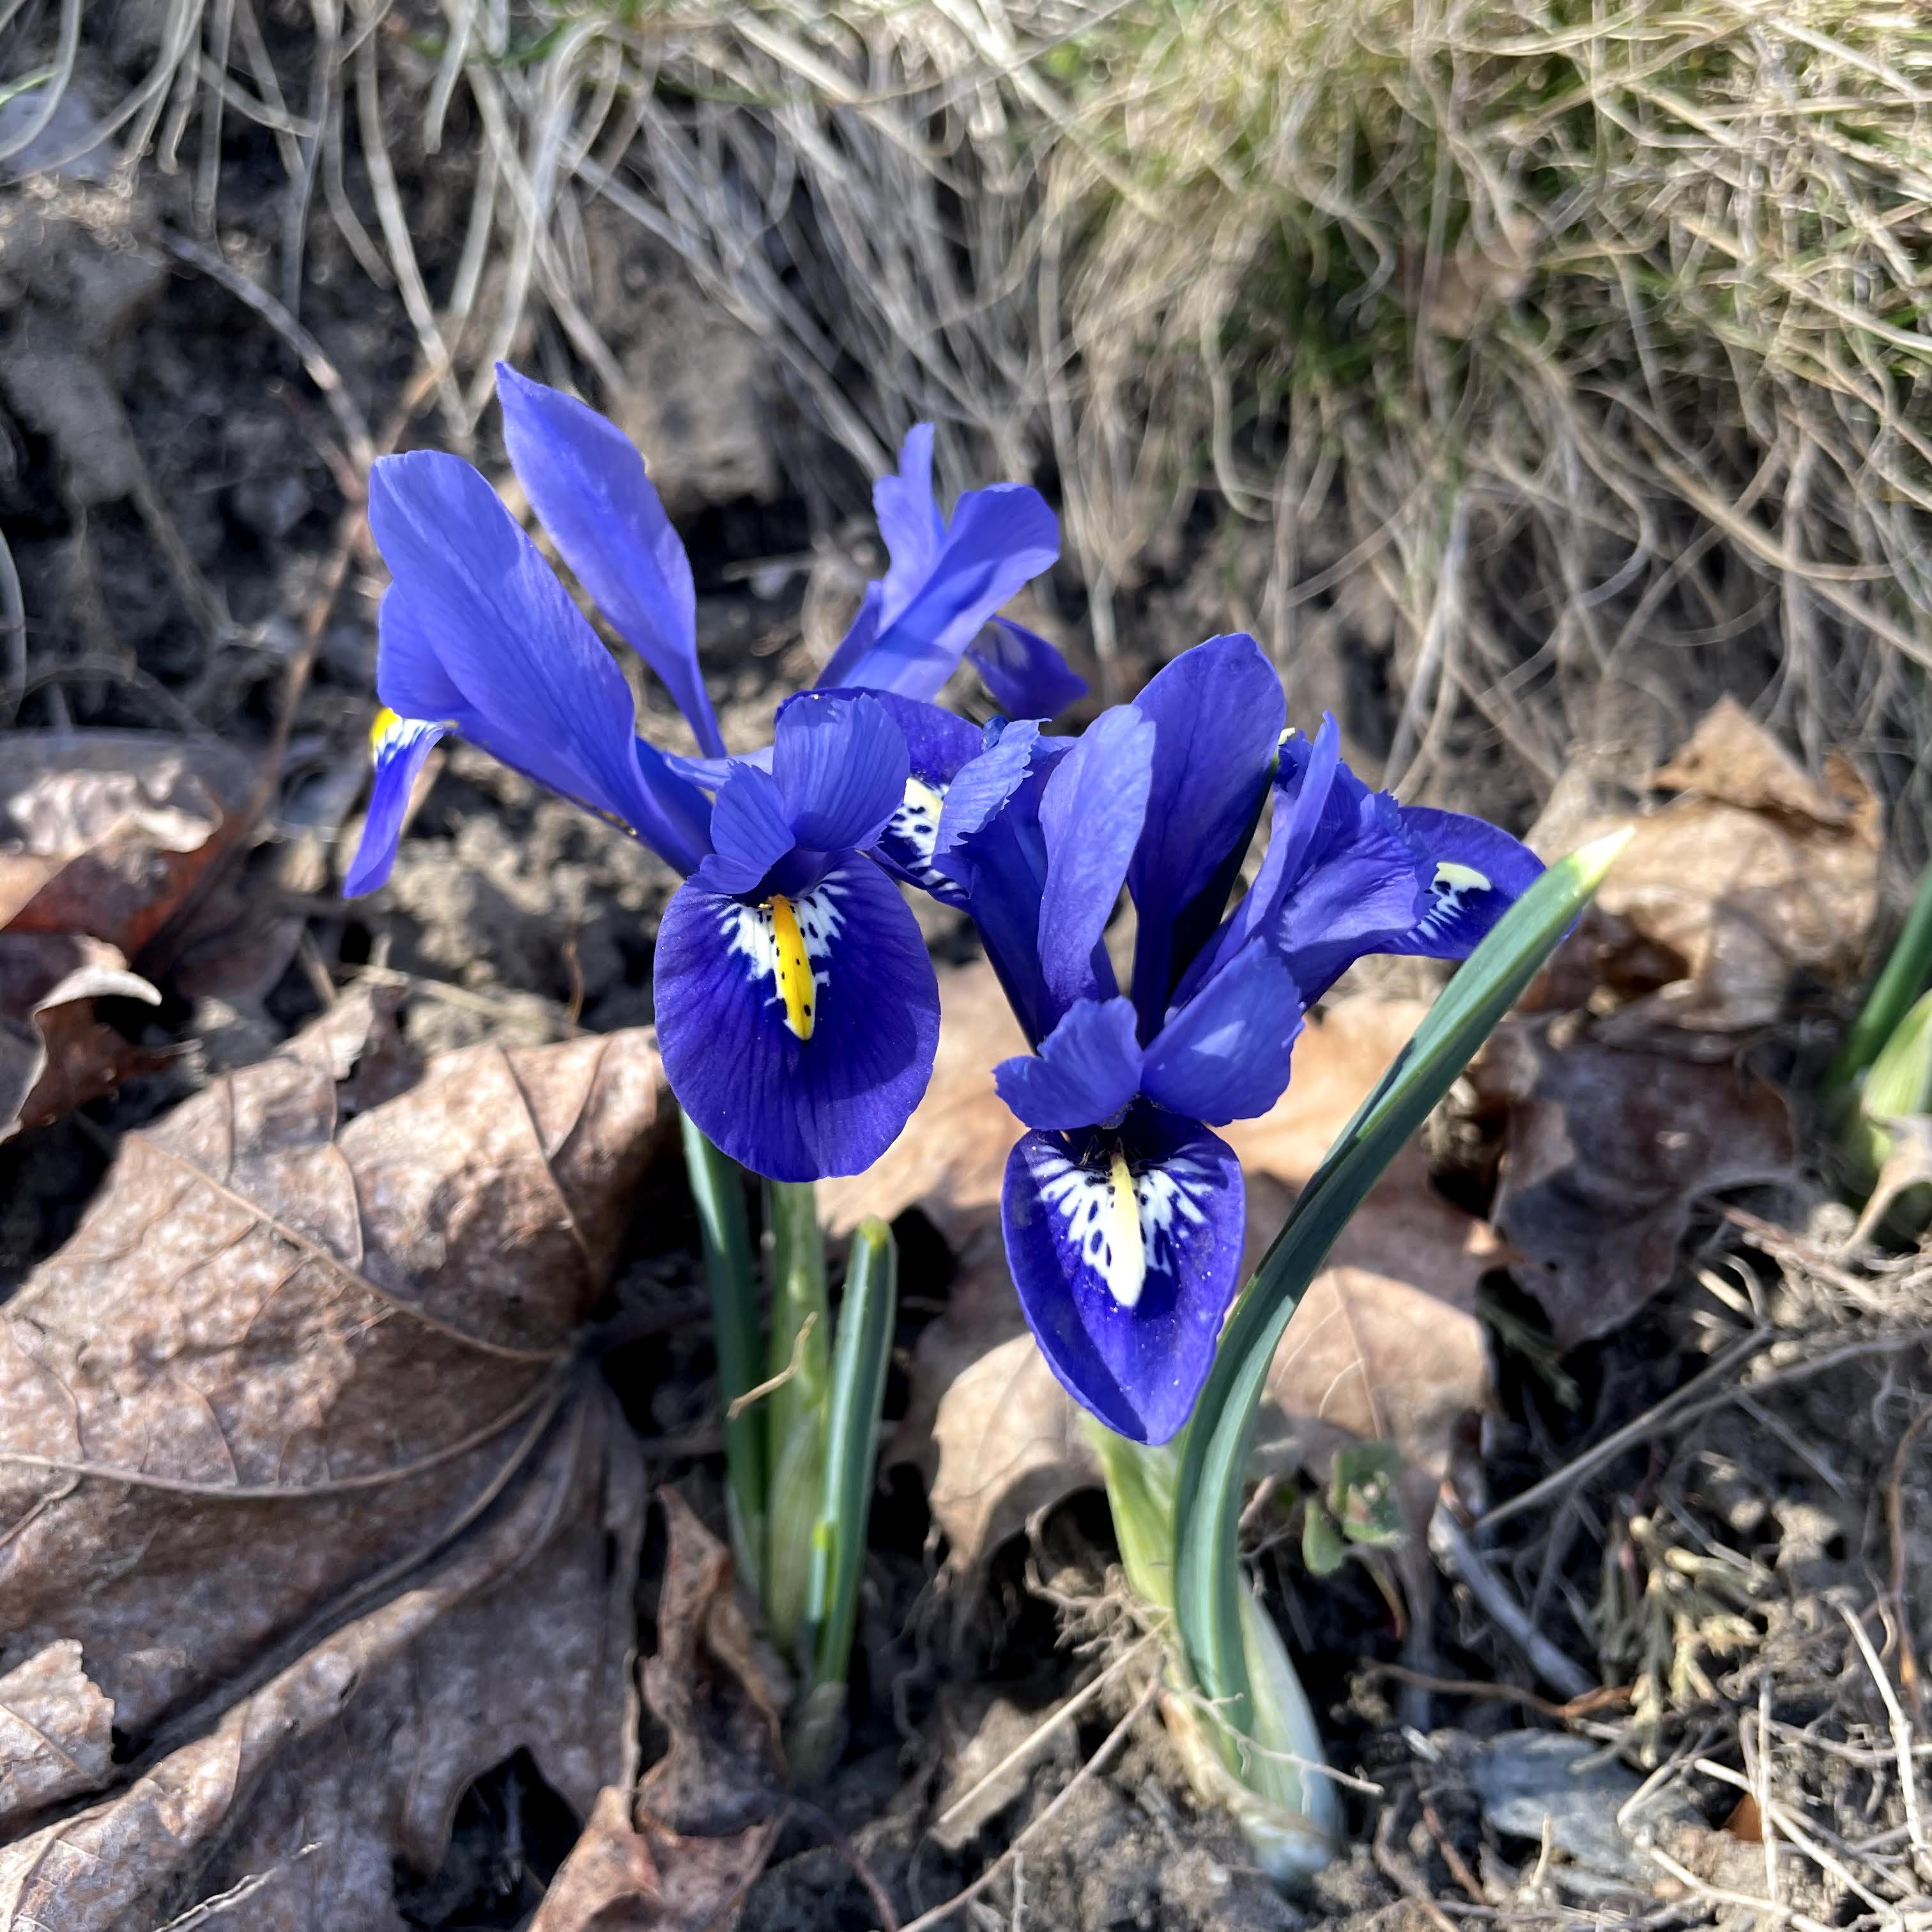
x,y
104,834
54,1053
1756,874
677,1855
299,1390
1607,1152
56,1731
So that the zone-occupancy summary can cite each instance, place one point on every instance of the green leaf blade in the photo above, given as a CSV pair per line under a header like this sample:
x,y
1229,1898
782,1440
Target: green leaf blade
x,y
1208,1587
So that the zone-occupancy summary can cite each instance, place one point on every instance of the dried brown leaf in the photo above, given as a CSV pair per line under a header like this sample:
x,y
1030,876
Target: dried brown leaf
x,y
54,1053
291,1445
1385,1345
56,1731
104,834
1606,1153
1757,874
677,1855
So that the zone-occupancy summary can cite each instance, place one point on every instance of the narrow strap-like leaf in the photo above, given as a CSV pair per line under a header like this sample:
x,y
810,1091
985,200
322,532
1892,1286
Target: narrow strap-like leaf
x,y
717,1191
1214,1459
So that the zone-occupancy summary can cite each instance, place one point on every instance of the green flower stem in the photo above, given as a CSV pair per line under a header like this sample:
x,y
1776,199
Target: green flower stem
x,y
1289,1812
718,1190
798,1362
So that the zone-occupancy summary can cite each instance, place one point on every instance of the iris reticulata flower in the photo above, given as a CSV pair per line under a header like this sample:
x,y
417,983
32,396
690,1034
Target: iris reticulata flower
x,y
1123,1212
797,1010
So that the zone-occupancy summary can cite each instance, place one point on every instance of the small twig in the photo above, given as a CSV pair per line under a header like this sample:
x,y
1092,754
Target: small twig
x,y
238,1894
322,372
828,1828
784,1375
1459,1866
1607,1697
1407,1880
1023,1752
1452,1549
1114,1739
1895,1520
1901,1738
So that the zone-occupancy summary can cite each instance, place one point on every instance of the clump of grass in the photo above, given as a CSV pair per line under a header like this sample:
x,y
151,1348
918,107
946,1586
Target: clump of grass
x,y
1597,336
1605,328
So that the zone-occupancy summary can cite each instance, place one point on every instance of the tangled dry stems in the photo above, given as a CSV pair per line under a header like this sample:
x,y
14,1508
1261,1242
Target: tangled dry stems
x,y
1595,335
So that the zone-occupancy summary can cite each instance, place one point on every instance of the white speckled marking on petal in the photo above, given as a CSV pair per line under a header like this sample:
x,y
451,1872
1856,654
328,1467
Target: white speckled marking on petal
x,y
752,934
912,832
1092,1202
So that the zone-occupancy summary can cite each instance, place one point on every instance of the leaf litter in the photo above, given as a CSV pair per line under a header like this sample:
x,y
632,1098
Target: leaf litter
x,y
295,1446
357,1459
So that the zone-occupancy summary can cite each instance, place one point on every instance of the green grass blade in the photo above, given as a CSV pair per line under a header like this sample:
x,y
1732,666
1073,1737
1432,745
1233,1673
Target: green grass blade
x,y
718,1189
1208,1587
1907,970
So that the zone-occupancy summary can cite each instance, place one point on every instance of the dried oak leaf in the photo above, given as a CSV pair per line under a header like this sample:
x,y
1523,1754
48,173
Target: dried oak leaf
x,y
677,1854
56,1730
104,834
1606,1151
291,1445
1386,1345
54,1053
1757,873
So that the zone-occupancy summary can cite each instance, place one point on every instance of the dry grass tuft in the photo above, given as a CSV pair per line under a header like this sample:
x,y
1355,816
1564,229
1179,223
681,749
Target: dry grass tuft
x,y
1596,336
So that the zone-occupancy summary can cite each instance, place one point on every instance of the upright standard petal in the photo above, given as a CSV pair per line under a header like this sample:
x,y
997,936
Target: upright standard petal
x,y
1217,712
798,1034
1091,814
399,746
1026,675
841,765
1086,1072
1126,1250
586,480
909,521
751,831
477,624
999,538
1478,873
1364,884
1224,1056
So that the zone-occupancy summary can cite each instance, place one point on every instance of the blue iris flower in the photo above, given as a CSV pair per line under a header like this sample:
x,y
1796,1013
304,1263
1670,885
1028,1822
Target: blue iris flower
x,y
797,1010
1123,1212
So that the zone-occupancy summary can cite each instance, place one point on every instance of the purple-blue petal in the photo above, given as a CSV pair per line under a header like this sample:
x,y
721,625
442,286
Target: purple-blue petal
x,y
1479,872
791,1109
586,480
1224,1056
751,831
1086,1072
1139,1368
1025,675
999,538
909,521
840,766
1091,814
1217,712
399,745
477,629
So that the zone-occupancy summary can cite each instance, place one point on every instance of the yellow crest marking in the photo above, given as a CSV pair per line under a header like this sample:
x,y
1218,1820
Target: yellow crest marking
x,y
1451,877
386,720
797,986
1127,1274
